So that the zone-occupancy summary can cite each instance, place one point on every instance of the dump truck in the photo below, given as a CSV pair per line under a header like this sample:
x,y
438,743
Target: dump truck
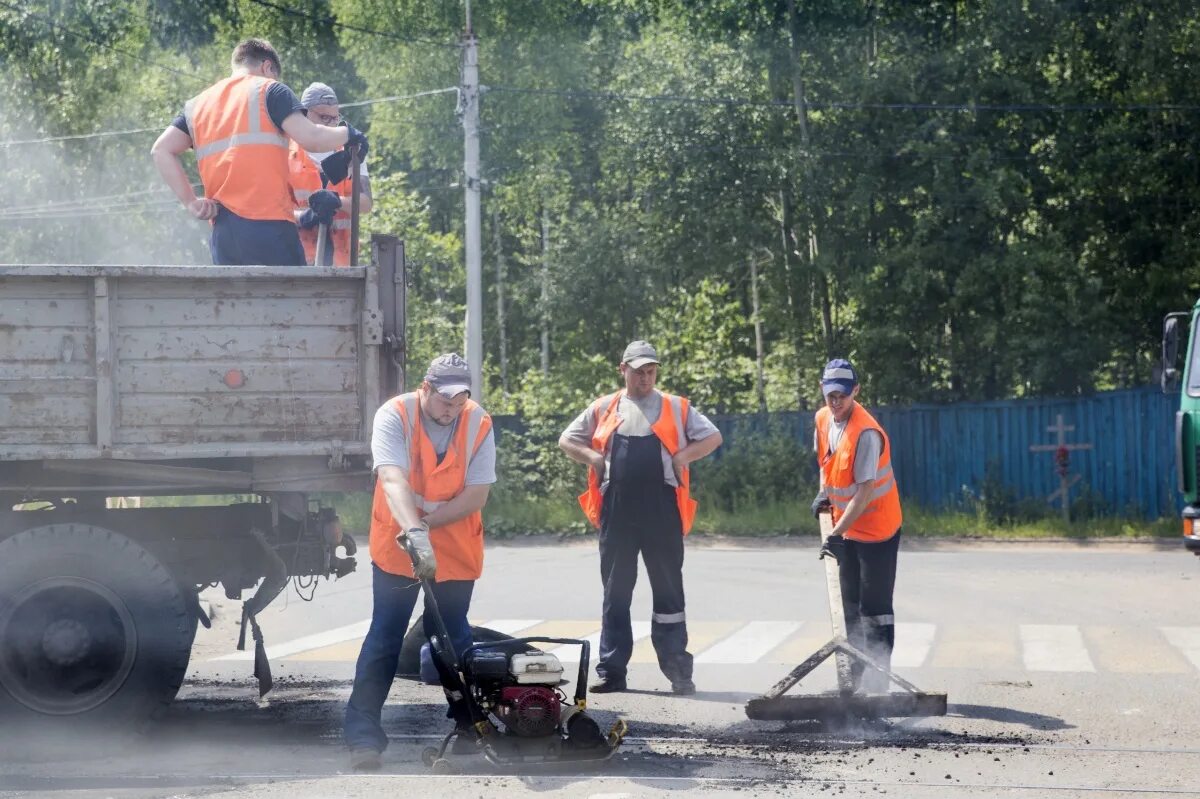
x,y
241,394
1187,419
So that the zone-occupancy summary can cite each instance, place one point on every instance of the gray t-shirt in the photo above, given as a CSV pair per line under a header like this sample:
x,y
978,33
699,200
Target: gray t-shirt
x,y
389,444
866,456
637,419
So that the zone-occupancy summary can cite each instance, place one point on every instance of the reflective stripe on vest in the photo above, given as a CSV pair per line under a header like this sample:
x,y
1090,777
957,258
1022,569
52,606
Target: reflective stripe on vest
x,y
883,482
255,134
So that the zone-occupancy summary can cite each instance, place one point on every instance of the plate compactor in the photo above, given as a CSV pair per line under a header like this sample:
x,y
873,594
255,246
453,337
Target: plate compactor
x,y
518,709
845,705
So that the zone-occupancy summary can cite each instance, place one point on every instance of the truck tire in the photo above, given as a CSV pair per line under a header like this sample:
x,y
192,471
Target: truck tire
x,y
94,630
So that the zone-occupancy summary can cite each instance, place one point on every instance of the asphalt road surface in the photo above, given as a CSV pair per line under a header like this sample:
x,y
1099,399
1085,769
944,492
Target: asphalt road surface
x,y
1071,670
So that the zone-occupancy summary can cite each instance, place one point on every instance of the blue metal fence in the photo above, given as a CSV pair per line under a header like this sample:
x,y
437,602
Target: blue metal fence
x,y
942,453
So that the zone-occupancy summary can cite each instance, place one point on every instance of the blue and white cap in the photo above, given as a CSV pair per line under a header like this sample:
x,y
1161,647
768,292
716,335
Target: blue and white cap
x,y
839,375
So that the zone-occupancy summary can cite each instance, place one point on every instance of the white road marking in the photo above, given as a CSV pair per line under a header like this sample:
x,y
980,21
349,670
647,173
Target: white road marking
x,y
913,642
569,653
295,646
509,626
1054,647
1186,640
749,643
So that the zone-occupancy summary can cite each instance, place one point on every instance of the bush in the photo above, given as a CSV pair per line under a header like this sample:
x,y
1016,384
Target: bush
x,y
759,466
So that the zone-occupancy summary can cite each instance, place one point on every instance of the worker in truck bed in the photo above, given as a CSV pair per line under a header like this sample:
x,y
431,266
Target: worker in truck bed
x,y
323,199
859,490
239,128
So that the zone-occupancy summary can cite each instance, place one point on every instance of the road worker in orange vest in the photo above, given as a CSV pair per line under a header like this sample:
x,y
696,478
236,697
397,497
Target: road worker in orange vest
x,y
435,461
859,489
239,128
321,202
638,444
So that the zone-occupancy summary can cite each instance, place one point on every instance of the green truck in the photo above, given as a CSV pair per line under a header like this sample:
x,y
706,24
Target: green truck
x,y
1187,418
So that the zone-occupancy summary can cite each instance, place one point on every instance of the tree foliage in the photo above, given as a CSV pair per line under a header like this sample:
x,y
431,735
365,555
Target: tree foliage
x,y
971,200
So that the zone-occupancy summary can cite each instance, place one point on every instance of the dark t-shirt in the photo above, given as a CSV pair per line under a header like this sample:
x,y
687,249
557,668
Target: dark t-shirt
x,y
282,102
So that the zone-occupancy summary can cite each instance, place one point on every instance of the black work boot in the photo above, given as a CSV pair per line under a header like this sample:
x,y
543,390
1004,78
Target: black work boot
x,y
608,685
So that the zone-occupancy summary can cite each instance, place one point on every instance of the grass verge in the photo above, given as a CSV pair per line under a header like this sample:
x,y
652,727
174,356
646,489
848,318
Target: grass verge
x,y
509,516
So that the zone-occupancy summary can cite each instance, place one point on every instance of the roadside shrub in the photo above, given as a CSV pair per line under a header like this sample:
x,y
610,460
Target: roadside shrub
x,y
758,466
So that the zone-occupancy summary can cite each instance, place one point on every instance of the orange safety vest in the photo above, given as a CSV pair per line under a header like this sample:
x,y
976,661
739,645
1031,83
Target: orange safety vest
x,y
305,179
882,518
241,155
669,428
458,546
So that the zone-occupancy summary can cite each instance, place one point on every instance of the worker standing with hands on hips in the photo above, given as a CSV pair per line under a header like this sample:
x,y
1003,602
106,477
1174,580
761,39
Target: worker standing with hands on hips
x,y
321,186
435,462
239,128
638,444
859,490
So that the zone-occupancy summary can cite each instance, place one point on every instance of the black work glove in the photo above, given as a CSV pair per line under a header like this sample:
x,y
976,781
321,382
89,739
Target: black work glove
x,y
336,167
821,504
308,220
833,547
357,139
324,204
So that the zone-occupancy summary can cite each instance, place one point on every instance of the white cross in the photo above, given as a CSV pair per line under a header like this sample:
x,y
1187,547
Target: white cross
x,y
1062,493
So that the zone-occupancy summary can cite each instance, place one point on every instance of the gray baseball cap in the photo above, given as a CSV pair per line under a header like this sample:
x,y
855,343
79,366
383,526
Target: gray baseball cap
x,y
318,94
449,374
639,353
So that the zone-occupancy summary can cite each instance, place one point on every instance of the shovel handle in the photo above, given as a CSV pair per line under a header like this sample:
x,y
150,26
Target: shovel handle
x,y
321,258
354,212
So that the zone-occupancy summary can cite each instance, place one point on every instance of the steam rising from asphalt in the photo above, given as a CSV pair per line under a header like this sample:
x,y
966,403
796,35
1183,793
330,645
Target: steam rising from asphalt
x,y
90,200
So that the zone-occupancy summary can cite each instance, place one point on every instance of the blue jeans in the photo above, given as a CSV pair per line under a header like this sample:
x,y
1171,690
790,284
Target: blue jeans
x,y
394,598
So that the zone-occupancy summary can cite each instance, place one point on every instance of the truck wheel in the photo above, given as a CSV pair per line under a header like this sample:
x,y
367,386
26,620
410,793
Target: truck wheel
x,y
93,629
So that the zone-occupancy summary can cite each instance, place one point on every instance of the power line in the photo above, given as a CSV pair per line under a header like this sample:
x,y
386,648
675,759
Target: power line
x,y
77,136
86,203
855,106
137,131
89,214
333,22
398,97
69,32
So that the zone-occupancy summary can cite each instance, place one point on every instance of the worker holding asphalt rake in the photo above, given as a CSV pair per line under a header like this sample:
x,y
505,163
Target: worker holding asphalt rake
x,y
859,490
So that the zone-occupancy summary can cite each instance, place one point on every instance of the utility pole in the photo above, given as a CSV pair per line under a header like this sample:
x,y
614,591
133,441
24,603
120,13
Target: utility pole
x,y
500,299
545,315
469,100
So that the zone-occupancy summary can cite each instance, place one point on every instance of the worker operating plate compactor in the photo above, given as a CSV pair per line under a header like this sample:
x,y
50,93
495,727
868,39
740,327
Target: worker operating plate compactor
x,y
519,712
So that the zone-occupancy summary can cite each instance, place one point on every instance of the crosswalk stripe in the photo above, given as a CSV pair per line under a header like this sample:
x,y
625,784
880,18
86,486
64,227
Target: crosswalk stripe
x,y
749,643
297,645
508,626
569,653
1133,650
976,646
1054,647
701,635
913,642
1186,640
1035,647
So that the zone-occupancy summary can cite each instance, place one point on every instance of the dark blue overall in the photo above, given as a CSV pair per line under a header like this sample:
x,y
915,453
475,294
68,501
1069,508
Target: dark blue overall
x,y
639,514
